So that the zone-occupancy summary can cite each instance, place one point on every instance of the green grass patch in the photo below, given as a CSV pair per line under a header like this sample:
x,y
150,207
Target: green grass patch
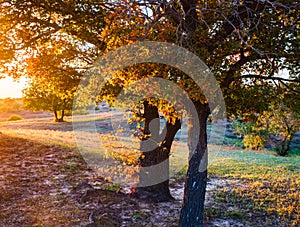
x,y
269,183
211,213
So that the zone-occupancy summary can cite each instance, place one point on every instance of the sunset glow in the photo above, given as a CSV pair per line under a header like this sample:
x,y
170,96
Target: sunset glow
x,y
11,88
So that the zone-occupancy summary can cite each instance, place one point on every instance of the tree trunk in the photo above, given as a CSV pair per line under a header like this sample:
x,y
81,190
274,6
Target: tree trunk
x,y
155,157
59,119
285,145
55,116
171,131
192,212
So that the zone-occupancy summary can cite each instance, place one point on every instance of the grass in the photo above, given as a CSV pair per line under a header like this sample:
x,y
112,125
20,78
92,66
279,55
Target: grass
x,y
267,183
217,212
270,183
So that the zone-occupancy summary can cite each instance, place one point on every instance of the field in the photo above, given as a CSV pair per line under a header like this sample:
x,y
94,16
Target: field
x,y
46,182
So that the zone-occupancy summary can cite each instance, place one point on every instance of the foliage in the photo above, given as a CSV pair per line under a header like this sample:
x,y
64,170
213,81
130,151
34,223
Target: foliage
x,y
254,142
233,44
253,133
276,125
14,118
51,87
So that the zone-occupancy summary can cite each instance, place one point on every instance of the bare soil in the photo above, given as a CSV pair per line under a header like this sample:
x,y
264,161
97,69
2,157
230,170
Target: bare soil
x,y
35,184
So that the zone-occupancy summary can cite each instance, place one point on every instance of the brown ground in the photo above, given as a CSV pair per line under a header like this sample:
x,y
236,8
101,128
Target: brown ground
x,y
26,114
37,184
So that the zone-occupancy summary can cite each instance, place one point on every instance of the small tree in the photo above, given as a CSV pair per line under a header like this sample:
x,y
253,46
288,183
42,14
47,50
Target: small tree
x,y
278,124
282,122
41,96
53,82
253,132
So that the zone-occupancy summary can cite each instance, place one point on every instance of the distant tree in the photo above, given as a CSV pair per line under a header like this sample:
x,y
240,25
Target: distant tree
x,y
41,96
283,123
275,124
53,84
282,119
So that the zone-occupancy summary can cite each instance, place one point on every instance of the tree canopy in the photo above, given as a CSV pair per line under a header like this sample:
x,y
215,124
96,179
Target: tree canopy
x,y
239,40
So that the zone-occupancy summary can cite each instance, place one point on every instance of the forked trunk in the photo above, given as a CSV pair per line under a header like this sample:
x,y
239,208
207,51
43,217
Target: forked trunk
x,y
192,212
56,116
155,158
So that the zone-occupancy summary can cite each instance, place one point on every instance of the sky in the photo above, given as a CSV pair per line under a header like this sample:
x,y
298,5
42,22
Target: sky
x,y
11,88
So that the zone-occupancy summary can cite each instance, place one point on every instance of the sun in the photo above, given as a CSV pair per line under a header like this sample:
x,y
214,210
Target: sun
x,y
11,88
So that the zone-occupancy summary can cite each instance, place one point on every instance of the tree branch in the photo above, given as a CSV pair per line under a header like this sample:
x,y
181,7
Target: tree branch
x,y
236,67
244,11
254,76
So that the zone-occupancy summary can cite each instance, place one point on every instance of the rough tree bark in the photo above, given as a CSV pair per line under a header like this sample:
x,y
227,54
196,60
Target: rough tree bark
x,y
155,149
192,212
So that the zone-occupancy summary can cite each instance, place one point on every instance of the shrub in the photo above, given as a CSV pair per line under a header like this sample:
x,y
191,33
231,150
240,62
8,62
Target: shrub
x,y
254,133
14,118
254,142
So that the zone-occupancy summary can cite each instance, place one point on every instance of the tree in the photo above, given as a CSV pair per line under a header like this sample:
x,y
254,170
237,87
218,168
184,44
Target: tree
x,y
276,125
45,42
231,36
53,83
245,44
146,112
283,122
42,95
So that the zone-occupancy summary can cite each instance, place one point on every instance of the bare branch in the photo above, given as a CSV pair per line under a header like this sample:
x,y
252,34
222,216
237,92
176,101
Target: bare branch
x,y
255,76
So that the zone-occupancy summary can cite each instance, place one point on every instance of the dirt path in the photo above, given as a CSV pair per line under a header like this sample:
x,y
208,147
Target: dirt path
x,y
35,184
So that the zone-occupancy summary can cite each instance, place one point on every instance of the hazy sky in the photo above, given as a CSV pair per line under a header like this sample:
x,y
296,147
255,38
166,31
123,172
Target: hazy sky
x,y
11,88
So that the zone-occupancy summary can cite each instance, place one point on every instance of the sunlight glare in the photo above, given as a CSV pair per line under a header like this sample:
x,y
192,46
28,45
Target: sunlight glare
x,y
11,88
